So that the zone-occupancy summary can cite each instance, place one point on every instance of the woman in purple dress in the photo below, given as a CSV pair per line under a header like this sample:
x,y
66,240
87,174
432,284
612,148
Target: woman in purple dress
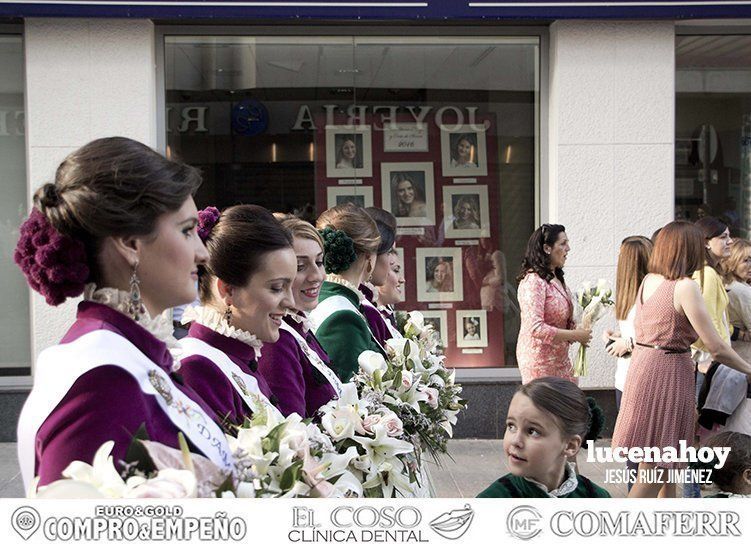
x,y
386,224
296,367
246,290
118,225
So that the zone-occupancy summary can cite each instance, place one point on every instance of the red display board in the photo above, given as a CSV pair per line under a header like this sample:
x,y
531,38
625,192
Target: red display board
x,y
438,174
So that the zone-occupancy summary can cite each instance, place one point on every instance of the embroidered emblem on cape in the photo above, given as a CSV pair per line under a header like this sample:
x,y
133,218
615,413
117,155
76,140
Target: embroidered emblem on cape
x,y
161,386
241,384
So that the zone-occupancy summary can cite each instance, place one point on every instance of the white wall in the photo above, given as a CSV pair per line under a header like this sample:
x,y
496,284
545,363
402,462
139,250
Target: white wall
x,y
85,79
611,152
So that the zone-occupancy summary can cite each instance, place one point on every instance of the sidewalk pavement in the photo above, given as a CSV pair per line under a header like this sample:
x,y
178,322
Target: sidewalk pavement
x,y
476,464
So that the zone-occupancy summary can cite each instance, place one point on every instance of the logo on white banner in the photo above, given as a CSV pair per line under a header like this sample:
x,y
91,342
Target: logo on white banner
x,y
453,524
25,521
524,522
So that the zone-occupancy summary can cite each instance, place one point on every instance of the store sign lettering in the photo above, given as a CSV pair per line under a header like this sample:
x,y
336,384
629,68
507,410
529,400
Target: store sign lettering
x,y
12,123
356,116
192,117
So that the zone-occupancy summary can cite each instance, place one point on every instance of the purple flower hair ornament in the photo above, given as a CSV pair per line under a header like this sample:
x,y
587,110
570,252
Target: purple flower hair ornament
x,y
55,265
207,218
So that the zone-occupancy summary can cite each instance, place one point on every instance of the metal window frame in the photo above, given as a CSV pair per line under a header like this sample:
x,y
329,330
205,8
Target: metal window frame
x,y
396,30
20,383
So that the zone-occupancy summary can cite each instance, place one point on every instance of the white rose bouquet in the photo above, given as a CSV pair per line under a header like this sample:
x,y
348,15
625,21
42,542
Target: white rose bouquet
x,y
592,303
415,384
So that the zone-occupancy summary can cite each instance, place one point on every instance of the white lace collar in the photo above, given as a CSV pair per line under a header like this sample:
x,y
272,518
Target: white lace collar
x,y
333,278
569,485
159,326
302,319
214,320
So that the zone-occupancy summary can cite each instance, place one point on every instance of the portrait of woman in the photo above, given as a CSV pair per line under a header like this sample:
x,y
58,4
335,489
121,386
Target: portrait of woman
x,y
346,151
464,150
440,275
466,212
408,194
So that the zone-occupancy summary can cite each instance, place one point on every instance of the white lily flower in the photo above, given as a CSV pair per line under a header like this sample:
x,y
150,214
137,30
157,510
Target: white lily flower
x,y
382,447
371,362
101,474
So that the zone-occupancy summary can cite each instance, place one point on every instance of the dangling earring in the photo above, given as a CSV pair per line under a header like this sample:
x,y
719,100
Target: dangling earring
x,y
228,314
135,306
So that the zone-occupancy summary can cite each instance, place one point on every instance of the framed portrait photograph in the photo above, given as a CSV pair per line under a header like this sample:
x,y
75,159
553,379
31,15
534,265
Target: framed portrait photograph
x,y
408,192
358,195
405,137
440,321
348,152
466,212
439,274
463,152
471,329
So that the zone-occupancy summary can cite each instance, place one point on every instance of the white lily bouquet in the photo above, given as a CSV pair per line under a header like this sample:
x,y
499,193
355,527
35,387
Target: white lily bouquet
x,y
415,384
592,303
370,455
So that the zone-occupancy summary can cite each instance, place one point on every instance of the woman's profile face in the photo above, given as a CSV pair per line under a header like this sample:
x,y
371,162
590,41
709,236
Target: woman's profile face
x,y
349,150
168,261
743,270
310,273
463,150
405,191
719,246
559,251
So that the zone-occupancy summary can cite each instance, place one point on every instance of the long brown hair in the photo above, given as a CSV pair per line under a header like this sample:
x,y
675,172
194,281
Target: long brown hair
x,y
678,251
563,400
633,260
738,252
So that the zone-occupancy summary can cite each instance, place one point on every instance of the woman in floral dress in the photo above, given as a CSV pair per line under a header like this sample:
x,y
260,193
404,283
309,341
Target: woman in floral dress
x,y
547,325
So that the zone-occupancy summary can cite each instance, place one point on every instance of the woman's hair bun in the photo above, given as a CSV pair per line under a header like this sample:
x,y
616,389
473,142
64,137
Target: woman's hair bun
x,y
55,265
596,421
47,196
338,250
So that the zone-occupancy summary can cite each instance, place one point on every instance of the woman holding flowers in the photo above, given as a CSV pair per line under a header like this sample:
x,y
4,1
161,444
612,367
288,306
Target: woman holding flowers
x,y
350,240
118,225
296,367
246,290
658,403
547,325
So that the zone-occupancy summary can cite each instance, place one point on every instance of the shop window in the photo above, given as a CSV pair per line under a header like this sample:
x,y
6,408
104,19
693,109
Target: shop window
x,y
713,130
440,131
15,357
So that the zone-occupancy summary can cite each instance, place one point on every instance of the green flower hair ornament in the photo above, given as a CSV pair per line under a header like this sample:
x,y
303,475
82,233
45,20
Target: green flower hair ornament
x,y
596,421
338,250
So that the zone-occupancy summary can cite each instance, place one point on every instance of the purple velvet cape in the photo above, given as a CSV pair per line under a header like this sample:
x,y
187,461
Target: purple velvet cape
x,y
213,386
375,319
105,403
299,387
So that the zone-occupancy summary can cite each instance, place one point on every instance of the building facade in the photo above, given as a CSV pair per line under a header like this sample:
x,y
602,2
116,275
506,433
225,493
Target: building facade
x,y
472,122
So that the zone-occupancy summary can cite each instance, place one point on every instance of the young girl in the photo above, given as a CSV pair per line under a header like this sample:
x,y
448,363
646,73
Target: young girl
x,y
734,478
548,420
296,366
246,290
118,225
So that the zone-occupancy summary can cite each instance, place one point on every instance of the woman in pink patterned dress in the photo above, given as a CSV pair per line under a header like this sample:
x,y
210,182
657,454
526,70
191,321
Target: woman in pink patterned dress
x,y
547,325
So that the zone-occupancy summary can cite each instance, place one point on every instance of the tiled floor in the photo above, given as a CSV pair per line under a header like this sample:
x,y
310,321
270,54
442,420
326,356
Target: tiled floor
x,y
476,464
